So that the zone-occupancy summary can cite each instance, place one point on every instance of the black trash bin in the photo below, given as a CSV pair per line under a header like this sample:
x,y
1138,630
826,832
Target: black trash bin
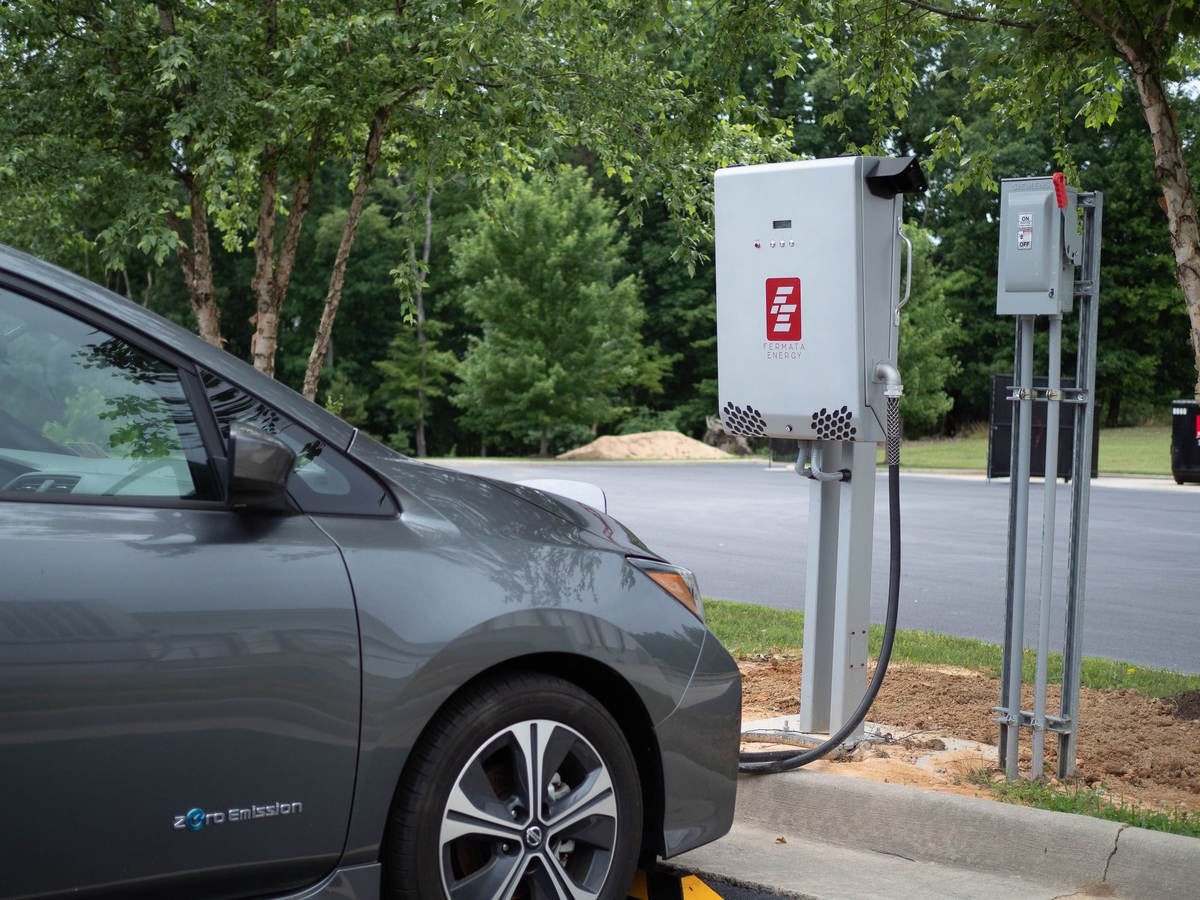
x,y
1185,440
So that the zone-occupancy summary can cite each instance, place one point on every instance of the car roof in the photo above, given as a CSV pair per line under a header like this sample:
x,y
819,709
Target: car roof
x,y
130,315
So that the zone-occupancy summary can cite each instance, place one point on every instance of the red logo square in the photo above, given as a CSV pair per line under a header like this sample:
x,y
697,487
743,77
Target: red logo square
x,y
783,309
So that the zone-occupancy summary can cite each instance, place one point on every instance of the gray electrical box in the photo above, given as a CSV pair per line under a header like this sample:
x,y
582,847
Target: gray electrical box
x,y
808,283
1040,246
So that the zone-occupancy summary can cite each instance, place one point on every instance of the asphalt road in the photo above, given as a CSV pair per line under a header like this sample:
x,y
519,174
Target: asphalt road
x,y
743,528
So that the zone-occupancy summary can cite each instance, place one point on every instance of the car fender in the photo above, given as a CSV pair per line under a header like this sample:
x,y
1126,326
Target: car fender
x,y
397,710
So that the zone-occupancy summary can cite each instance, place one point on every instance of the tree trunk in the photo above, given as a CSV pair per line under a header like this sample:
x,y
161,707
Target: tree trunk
x,y
421,339
333,297
544,444
196,262
266,314
1142,52
195,258
1113,413
1170,170
272,275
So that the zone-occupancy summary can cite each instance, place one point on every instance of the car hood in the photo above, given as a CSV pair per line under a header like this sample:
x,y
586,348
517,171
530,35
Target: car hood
x,y
478,505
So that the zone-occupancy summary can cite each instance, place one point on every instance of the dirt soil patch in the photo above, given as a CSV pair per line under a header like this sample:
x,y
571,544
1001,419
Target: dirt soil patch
x,y
1137,749
645,445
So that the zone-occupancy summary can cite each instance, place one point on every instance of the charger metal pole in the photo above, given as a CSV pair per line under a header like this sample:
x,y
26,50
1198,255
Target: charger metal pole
x,y
838,589
816,688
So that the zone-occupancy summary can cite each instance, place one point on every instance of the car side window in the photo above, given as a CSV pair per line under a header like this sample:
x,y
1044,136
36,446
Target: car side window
x,y
86,415
322,480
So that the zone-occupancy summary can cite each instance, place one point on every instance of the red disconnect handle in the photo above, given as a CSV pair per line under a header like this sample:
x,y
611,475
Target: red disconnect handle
x,y
1060,189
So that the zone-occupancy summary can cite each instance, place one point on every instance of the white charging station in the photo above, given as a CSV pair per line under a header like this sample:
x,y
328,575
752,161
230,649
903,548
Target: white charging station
x,y
808,308
808,273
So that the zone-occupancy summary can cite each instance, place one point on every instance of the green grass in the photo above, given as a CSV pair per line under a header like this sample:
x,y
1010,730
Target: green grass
x,y
1124,451
1086,801
1136,451
945,453
750,630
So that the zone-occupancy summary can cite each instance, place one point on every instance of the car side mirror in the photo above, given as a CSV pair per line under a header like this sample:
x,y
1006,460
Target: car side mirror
x,y
259,465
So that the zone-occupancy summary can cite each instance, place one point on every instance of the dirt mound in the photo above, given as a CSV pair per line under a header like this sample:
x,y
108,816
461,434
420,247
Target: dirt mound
x,y
646,445
1187,706
1135,748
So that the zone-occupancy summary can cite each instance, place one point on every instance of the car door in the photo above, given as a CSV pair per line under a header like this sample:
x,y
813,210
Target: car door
x,y
179,682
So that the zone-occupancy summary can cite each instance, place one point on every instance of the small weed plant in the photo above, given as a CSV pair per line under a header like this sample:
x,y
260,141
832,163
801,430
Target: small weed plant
x,y
1086,801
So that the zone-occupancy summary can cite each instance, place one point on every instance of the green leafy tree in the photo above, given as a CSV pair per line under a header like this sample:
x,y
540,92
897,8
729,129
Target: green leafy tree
x,y
370,308
927,333
1144,355
415,374
198,117
1028,64
560,326
681,322
433,419
194,116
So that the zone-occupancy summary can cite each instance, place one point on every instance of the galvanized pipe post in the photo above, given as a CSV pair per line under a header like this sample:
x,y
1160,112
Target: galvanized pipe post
x,y
1019,540
1049,498
1088,292
1013,455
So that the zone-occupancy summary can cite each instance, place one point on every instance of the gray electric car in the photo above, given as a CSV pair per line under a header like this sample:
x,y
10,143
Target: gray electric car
x,y
247,651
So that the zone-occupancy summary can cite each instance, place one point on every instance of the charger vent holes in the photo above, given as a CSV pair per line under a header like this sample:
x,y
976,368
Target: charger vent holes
x,y
834,425
746,421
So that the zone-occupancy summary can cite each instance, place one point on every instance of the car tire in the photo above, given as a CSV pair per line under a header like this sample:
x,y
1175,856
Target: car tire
x,y
466,822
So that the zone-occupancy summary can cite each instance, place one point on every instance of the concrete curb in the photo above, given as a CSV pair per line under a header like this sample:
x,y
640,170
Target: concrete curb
x,y
896,841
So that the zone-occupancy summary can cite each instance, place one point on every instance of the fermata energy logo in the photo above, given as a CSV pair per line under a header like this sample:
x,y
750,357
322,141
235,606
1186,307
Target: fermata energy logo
x,y
783,309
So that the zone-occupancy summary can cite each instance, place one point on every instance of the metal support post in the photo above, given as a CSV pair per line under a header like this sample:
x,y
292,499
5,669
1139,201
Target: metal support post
x,y
1082,401
1028,288
838,587
1013,455
1085,378
854,584
1049,498
1019,541
819,593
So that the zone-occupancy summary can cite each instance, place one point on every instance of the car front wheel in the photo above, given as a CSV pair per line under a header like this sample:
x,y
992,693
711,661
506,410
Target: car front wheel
x,y
524,788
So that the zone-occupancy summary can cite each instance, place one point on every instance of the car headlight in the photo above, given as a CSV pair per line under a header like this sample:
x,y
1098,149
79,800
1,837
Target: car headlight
x,y
677,581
